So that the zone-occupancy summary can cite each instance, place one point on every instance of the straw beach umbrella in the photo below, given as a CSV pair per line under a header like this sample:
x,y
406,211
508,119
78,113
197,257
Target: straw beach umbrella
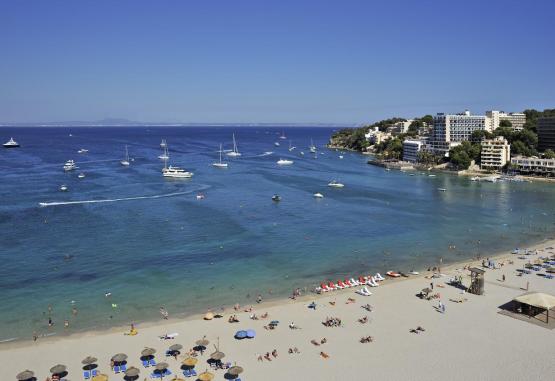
x,y
202,342
89,361
175,348
209,316
235,370
119,357
58,369
148,352
132,372
25,375
217,355
100,377
161,366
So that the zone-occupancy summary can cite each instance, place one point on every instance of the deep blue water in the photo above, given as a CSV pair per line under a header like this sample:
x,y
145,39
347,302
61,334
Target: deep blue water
x,y
189,255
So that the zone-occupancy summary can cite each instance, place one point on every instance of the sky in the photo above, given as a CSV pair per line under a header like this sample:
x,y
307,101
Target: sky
x,y
300,61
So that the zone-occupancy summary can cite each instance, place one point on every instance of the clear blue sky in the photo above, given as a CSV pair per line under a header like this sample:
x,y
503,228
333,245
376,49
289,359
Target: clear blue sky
x,y
272,61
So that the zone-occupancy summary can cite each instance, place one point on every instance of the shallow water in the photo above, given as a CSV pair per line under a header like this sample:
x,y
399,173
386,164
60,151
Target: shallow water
x,y
150,242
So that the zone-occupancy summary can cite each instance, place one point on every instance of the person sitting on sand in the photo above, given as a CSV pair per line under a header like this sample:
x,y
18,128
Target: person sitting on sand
x,y
274,353
363,320
350,300
253,316
296,350
290,351
249,309
233,319
260,358
267,356
264,315
292,325
323,341
324,355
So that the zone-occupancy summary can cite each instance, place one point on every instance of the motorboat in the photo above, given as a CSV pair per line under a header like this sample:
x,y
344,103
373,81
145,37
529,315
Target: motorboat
x,y
83,150
11,144
276,144
284,162
393,274
220,164
200,196
276,198
176,172
125,162
441,189
69,166
81,175
318,195
335,184
63,188
341,156
235,152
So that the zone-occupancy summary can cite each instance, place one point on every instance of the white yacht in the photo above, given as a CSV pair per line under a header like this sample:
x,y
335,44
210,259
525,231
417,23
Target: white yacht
x,y
63,188
11,144
318,195
312,147
235,152
291,147
335,184
125,162
284,162
69,166
220,164
82,150
176,172
276,144
163,144
81,175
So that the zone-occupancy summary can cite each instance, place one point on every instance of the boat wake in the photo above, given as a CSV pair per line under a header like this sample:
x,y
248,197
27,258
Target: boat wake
x,y
59,203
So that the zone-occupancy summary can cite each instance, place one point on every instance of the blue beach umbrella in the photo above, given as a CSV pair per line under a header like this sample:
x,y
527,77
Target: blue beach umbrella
x,y
250,333
240,335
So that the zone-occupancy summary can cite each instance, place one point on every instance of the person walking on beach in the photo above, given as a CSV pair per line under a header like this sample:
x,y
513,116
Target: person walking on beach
x,y
503,278
432,285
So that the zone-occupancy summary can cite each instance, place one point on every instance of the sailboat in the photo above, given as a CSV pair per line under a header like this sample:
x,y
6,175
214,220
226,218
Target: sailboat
x,y
283,135
165,155
235,152
220,164
312,147
125,162
163,144
291,147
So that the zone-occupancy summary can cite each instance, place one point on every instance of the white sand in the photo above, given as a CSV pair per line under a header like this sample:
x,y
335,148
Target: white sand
x,y
470,341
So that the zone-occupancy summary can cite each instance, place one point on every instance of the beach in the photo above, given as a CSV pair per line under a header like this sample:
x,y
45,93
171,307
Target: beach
x,y
469,340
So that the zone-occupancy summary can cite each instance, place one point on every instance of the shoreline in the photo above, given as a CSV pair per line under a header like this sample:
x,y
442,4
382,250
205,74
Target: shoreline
x,y
267,303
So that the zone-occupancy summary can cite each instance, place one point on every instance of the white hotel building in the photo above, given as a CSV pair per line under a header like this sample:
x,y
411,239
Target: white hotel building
x,y
495,153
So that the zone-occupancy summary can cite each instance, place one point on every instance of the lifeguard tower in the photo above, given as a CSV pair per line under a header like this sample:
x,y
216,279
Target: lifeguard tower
x,y
476,281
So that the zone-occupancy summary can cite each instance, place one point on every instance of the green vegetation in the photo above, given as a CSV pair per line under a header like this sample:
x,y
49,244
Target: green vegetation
x,y
391,149
533,115
462,155
523,142
350,138
549,154
505,123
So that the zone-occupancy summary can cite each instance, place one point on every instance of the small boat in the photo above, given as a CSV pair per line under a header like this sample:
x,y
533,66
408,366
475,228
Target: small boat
x,y
431,175
291,148
318,195
200,196
393,274
341,156
284,162
163,143
11,144
335,184
312,147
81,175
267,153
69,166
235,152
220,164
302,153
276,144
125,162
82,150
283,135
63,188
412,272
276,198
441,189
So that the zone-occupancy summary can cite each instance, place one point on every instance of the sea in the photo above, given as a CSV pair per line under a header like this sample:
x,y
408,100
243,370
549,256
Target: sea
x,y
217,239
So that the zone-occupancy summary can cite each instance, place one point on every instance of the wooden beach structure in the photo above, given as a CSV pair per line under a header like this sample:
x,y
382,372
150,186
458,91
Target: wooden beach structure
x,y
476,281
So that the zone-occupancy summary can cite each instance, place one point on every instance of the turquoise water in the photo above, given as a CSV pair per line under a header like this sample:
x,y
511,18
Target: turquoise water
x,y
160,246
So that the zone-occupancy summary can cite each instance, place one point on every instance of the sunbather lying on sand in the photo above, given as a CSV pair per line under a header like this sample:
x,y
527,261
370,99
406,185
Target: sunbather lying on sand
x,y
264,315
367,307
367,339
350,300
324,355
314,342
233,319
363,320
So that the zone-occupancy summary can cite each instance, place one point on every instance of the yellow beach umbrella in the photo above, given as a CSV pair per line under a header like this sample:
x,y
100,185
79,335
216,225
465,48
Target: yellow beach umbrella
x,y
189,361
100,377
209,316
206,376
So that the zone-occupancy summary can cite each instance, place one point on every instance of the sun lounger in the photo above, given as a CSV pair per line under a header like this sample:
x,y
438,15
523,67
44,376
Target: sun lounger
x,y
187,373
152,362
354,282
193,373
94,372
116,369
86,374
123,367
364,291
378,277
146,363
